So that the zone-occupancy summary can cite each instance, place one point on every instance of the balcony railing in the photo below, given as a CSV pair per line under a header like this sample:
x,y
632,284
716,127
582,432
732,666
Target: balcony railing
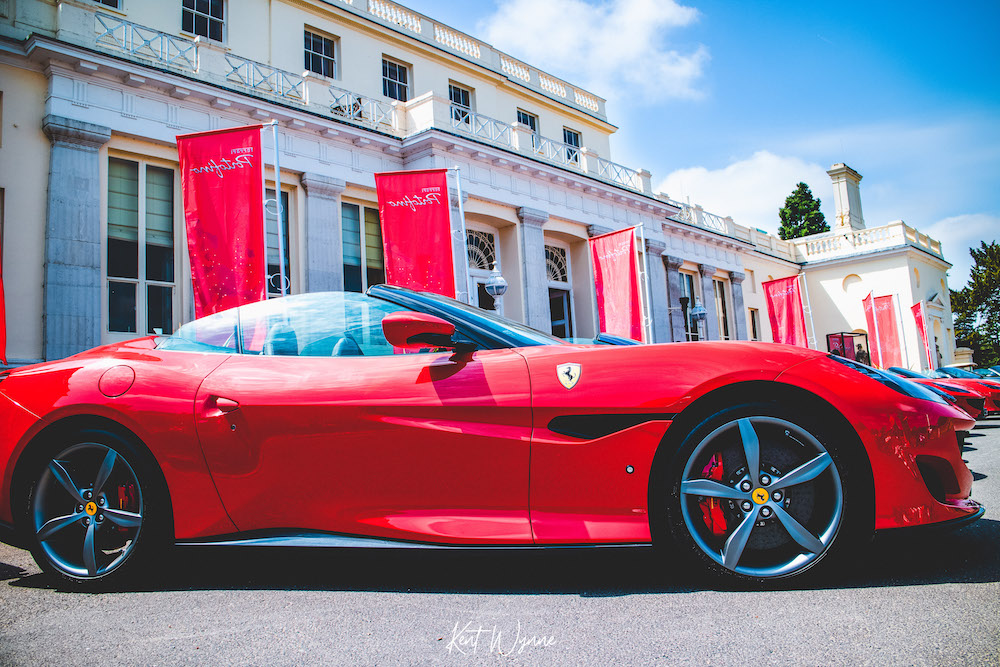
x,y
362,110
696,215
266,79
619,174
841,244
556,151
482,127
145,42
516,137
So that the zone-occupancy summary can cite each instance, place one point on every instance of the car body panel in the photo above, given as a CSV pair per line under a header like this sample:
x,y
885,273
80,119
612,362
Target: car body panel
x,y
896,430
155,408
413,446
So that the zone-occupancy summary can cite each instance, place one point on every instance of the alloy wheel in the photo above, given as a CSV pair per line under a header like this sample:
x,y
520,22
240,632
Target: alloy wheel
x,y
87,510
762,497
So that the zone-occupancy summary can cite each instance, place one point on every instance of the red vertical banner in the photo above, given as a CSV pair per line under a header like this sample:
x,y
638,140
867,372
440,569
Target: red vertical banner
x,y
784,310
223,189
920,316
868,303
415,214
888,331
616,278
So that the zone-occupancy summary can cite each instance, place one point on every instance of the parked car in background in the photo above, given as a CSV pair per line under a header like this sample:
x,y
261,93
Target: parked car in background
x,y
970,399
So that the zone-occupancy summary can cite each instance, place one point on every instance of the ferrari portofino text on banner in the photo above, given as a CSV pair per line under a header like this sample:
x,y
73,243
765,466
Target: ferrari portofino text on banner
x,y
414,210
223,190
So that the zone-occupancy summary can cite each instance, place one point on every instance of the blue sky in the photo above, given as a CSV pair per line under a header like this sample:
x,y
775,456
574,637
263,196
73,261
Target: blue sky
x,y
730,104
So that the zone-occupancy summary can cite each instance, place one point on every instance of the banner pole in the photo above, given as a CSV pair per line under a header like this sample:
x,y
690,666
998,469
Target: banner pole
x,y
646,315
902,331
812,326
277,207
931,357
464,264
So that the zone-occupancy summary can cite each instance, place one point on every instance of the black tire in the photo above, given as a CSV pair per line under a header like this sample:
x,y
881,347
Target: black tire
x,y
94,510
734,525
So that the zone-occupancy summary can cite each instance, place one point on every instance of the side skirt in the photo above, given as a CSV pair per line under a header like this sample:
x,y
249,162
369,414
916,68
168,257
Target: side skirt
x,y
308,539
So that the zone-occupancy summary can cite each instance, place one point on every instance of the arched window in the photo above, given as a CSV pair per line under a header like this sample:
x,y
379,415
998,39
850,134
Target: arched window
x,y
560,290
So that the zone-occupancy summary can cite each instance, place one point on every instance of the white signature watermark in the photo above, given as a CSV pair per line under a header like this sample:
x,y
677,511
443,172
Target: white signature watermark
x,y
472,637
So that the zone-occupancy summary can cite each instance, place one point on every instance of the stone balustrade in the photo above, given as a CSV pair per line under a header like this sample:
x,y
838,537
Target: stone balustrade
x,y
117,34
833,245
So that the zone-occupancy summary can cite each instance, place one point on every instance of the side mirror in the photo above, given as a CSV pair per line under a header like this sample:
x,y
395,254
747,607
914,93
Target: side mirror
x,y
410,330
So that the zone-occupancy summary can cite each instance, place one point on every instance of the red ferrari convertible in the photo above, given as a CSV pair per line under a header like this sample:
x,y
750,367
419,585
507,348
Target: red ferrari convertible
x,y
405,420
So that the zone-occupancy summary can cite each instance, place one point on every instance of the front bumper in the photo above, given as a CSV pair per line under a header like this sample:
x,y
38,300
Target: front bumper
x,y
942,526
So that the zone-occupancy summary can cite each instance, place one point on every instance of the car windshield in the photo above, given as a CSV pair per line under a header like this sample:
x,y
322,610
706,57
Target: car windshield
x,y
511,333
319,324
907,373
957,373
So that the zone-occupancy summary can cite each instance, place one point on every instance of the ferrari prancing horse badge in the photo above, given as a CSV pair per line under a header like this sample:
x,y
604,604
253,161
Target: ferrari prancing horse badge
x,y
569,374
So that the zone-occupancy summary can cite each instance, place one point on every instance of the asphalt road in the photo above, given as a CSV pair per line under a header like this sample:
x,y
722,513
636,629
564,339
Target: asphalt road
x,y
931,599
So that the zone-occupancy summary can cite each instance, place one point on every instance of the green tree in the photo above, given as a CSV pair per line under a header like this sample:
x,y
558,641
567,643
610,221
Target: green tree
x,y
977,306
800,216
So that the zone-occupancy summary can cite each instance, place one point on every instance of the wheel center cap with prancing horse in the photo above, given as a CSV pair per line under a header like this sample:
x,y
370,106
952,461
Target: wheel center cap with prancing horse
x,y
568,374
90,508
760,496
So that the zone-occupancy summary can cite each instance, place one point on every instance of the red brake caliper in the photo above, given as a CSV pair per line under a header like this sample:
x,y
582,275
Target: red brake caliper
x,y
711,509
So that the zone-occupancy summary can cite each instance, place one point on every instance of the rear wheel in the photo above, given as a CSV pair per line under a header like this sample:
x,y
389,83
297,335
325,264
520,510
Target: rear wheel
x,y
94,510
758,494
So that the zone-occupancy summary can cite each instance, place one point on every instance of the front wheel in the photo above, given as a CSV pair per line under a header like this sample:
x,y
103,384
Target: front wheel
x,y
94,509
759,495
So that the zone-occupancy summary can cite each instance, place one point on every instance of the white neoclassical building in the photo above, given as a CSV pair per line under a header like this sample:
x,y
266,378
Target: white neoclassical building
x,y
94,92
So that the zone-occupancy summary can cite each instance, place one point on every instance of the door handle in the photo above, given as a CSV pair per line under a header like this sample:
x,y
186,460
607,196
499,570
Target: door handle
x,y
225,404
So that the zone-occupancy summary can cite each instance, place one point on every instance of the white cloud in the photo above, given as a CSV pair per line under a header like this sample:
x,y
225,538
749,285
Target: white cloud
x,y
614,48
959,233
751,190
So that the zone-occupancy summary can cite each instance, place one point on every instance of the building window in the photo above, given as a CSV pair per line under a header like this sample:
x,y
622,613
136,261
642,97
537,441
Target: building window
x,y
481,247
572,140
530,121
203,17
274,278
556,264
113,4
321,55
754,324
140,244
395,80
688,301
752,279
362,236
719,287
560,293
461,103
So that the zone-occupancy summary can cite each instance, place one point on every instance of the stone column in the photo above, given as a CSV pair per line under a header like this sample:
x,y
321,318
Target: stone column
x,y
324,249
536,282
659,299
739,312
711,326
72,268
673,267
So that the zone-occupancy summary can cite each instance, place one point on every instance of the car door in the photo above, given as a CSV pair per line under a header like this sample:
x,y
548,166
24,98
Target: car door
x,y
428,447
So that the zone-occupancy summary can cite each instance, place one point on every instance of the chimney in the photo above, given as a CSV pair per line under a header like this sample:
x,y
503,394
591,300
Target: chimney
x,y
847,198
